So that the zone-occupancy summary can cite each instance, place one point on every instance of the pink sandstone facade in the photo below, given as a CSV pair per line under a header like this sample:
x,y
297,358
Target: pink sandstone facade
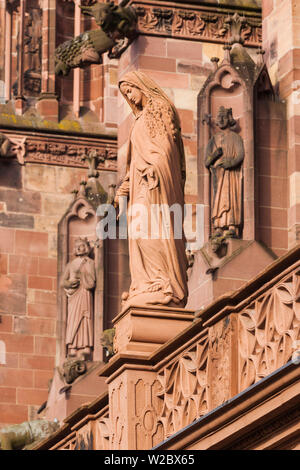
x,y
221,373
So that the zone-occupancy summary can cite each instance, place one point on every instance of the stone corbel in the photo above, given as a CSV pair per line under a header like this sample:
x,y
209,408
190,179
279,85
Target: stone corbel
x,y
13,147
18,148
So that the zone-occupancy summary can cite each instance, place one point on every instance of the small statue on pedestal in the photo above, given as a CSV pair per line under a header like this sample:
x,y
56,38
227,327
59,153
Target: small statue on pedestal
x,y
224,156
79,280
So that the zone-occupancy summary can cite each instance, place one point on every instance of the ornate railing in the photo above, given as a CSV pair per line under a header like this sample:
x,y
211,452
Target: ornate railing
x,y
232,344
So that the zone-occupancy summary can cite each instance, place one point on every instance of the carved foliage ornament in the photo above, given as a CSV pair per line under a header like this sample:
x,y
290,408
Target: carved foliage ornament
x,y
269,330
198,25
36,150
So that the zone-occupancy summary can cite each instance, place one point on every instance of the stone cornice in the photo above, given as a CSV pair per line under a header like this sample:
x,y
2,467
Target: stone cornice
x,y
61,150
237,5
196,22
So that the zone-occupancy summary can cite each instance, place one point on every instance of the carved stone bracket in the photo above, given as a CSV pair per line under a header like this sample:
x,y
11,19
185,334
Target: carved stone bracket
x,y
197,23
72,369
18,148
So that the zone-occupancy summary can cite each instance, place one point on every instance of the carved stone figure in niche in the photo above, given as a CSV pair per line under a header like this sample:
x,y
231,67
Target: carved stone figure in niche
x,y
79,280
32,40
155,176
32,51
224,157
118,30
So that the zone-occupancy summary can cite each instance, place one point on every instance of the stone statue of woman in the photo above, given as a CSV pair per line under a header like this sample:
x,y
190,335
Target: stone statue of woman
x,y
155,178
79,280
224,156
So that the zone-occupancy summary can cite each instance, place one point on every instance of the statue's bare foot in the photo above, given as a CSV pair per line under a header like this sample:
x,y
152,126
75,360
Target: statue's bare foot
x,y
124,296
167,299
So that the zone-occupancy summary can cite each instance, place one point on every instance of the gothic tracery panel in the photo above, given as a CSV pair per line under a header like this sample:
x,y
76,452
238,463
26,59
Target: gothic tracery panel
x,y
183,389
269,329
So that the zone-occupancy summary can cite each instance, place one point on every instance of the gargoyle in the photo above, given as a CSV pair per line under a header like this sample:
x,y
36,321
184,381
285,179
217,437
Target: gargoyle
x,y
21,436
117,31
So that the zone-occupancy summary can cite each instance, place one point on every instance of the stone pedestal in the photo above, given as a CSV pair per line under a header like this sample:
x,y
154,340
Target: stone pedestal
x,y
216,274
142,330
48,107
132,381
20,105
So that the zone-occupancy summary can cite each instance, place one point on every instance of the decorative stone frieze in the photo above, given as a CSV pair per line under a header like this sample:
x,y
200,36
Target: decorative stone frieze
x,y
61,150
196,23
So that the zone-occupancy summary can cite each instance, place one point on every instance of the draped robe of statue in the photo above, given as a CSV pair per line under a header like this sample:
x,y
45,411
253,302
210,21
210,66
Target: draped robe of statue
x,y
79,333
227,179
155,175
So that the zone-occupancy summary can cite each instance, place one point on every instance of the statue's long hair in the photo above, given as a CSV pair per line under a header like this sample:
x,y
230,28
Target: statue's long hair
x,y
149,88
160,111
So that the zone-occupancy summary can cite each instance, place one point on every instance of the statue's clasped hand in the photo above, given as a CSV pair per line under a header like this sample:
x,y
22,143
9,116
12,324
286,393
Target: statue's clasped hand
x,y
225,163
218,153
73,283
151,177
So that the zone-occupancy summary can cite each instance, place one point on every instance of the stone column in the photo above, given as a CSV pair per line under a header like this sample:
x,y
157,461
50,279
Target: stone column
x,y
76,72
281,40
133,403
20,100
6,44
48,104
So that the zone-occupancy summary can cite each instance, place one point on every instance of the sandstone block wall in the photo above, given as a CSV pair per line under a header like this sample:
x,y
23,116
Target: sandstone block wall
x,y
33,199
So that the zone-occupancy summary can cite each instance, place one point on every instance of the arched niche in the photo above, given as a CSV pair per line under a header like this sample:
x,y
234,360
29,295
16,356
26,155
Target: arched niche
x,y
80,221
230,86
